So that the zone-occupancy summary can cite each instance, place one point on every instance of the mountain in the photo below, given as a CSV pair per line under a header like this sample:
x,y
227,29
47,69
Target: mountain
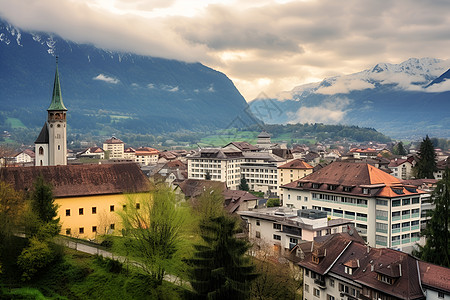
x,y
107,91
406,100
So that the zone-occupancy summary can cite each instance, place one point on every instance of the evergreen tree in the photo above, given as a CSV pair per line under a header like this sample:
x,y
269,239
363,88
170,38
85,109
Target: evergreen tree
x,y
221,270
399,149
243,186
426,163
43,201
208,175
437,232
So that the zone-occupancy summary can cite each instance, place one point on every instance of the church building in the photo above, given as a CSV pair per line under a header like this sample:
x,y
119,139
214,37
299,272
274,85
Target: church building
x,y
51,144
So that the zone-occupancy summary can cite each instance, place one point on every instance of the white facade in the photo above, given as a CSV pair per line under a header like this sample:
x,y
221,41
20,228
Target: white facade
x,y
114,147
41,154
23,157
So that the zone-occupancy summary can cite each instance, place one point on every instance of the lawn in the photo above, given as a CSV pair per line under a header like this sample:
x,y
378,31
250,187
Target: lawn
x,y
14,123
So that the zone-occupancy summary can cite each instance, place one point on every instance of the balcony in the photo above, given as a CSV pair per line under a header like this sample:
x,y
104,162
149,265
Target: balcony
x,y
382,218
406,216
416,215
361,219
415,239
292,230
338,215
406,241
415,227
396,218
381,243
320,283
396,230
407,228
381,230
395,243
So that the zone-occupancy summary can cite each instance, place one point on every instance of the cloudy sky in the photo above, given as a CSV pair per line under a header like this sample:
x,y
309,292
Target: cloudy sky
x,y
262,45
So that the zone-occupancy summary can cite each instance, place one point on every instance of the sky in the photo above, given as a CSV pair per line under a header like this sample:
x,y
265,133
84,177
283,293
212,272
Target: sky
x,y
266,46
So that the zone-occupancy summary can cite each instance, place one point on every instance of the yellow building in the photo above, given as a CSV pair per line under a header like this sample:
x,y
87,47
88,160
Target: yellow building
x,y
293,170
88,196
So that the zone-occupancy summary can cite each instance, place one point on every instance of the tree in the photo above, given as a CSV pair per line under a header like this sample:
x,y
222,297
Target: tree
x,y
207,175
153,226
273,202
243,186
426,163
43,201
399,149
437,247
220,267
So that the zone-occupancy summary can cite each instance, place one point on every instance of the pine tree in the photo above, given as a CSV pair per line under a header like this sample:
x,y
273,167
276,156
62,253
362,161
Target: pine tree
x,y
207,175
243,186
437,247
426,163
399,149
43,201
221,270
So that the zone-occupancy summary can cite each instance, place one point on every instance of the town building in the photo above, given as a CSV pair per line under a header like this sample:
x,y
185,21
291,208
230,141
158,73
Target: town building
x,y
343,268
441,165
146,156
217,164
88,196
129,153
263,141
242,146
282,229
25,156
51,144
93,152
401,168
293,170
387,213
114,148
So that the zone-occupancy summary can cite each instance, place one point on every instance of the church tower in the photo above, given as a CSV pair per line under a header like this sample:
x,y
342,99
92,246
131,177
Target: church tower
x,y
51,145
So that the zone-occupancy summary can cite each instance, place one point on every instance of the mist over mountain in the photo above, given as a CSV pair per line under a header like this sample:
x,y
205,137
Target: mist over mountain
x,y
406,100
108,91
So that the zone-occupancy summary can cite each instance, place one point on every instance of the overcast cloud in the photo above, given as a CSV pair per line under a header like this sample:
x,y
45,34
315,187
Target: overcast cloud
x,y
263,46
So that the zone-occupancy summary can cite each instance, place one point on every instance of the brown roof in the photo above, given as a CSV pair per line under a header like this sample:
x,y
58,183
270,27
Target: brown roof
x,y
355,175
234,198
27,151
80,180
195,187
113,140
244,146
296,164
435,276
176,164
146,151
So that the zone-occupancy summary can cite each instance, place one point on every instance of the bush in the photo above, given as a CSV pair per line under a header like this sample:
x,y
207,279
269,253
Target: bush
x,y
34,258
272,202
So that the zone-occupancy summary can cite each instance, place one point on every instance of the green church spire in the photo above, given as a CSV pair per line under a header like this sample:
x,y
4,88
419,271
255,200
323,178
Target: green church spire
x,y
57,102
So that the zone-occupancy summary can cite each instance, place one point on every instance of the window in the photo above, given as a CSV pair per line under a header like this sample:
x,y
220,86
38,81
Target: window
x,y
112,226
329,297
306,272
67,231
441,295
67,212
94,228
395,214
304,207
306,288
395,226
258,234
276,226
293,241
258,223
81,230
406,201
299,198
331,282
277,237
415,200
306,199
348,270
111,208
41,151
381,202
80,211
395,203
94,210
316,292
289,197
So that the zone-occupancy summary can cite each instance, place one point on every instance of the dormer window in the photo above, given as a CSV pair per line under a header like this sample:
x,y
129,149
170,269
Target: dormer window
x,y
332,187
315,185
348,270
347,189
385,279
366,191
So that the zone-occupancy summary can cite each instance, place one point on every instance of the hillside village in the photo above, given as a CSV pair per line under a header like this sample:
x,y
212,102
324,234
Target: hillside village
x,y
347,219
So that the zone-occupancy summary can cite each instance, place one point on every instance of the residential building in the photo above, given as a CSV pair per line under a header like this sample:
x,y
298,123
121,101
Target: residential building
x,y
239,200
263,141
219,164
88,196
51,144
401,168
242,146
129,153
282,229
363,153
387,213
260,169
93,152
344,268
293,170
26,156
441,165
146,156
114,148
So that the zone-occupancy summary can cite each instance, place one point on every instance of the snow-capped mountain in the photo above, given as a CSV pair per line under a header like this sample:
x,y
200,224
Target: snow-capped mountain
x,y
393,98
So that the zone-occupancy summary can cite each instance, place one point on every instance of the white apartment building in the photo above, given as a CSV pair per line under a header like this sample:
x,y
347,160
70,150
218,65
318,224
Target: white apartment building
x,y
146,156
220,164
401,168
260,169
114,147
386,212
284,228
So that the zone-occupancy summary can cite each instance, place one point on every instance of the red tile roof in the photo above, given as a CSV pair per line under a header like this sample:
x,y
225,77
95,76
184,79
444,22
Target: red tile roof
x,y
113,140
195,187
80,180
435,276
296,164
146,151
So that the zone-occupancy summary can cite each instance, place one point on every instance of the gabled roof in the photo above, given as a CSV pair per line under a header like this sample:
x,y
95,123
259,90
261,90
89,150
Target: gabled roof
x,y
80,180
296,164
43,135
243,146
146,151
435,276
113,140
29,152
264,134
195,187
57,102
234,198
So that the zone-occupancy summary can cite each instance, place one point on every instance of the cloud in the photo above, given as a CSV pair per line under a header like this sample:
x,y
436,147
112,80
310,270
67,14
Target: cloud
x,y
344,86
169,88
330,111
306,41
443,86
106,78
151,86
